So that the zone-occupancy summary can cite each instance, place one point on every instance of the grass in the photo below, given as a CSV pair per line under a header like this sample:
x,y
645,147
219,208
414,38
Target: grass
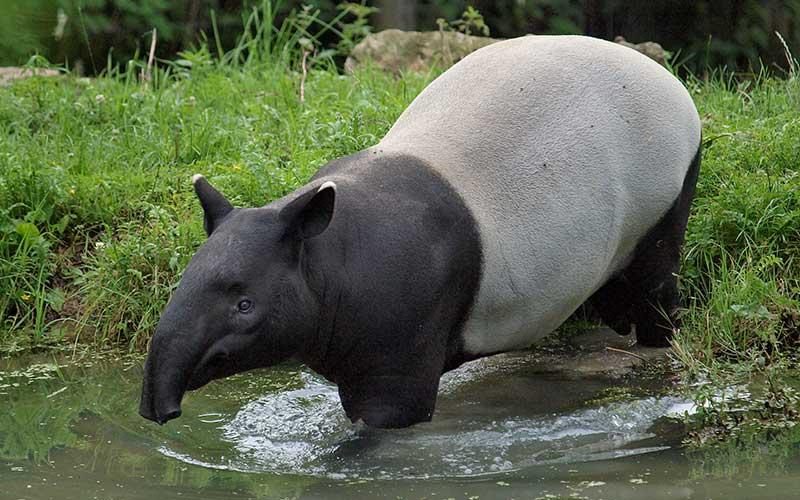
x,y
97,216
97,207
741,273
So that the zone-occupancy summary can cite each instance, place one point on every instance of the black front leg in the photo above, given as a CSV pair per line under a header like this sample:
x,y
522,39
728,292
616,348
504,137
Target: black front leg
x,y
390,401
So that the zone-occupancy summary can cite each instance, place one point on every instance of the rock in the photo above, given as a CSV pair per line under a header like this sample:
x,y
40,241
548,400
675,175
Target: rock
x,y
651,49
396,51
9,74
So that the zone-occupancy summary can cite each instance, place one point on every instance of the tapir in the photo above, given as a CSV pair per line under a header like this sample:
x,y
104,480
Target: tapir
x,y
536,175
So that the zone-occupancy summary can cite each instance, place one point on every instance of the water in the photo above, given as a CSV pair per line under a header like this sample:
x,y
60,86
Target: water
x,y
502,429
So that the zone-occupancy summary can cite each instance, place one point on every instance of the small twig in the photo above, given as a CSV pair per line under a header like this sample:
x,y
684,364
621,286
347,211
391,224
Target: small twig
x,y
628,353
303,80
57,392
150,60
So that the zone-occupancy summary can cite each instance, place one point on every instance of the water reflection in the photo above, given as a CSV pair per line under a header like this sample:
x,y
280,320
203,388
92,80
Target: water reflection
x,y
501,430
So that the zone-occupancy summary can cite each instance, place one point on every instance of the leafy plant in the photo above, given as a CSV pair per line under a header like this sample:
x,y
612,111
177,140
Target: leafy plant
x,y
470,20
127,280
767,408
355,29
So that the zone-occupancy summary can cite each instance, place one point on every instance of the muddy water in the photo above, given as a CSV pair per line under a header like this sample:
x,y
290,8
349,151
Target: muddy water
x,y
502,429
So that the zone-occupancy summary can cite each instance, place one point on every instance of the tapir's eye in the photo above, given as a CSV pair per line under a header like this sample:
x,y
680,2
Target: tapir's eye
x,y
245,306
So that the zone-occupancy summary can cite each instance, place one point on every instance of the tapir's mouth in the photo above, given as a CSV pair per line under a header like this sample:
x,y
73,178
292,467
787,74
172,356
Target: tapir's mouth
x,y
197,381
216,363
162,408
168,376
162,411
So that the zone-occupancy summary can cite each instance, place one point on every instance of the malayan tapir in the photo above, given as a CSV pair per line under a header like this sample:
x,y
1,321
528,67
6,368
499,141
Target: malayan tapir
x,y
535,175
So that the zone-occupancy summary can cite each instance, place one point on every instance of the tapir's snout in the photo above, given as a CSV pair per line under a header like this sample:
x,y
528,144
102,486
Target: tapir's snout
x,y
167,370
146,403
166,412
159,419
169,416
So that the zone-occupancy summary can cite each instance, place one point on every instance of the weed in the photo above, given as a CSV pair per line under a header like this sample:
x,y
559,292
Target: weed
x,y
766,408
471,19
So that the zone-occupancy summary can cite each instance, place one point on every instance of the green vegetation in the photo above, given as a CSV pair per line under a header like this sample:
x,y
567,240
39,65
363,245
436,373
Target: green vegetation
x,y
97,216
741,271
741,276
709,33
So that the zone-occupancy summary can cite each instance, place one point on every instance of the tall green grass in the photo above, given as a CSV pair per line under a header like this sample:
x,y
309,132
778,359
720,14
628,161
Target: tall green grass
x,y
741,274
97,216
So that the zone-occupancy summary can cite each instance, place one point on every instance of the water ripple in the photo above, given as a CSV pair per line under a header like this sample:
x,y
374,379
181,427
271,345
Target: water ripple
x,y
304,431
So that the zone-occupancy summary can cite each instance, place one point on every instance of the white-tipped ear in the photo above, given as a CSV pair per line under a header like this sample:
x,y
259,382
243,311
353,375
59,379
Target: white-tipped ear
x,y
215,206
309,214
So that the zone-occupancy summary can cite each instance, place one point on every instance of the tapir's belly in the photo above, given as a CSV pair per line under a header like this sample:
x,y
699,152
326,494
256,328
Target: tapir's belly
x,y
566,150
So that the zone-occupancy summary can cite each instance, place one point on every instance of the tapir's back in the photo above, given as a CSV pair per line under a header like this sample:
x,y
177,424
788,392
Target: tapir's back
x,y
567,150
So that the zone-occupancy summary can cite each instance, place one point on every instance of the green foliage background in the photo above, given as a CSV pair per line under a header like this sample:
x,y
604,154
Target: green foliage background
x,y
738,34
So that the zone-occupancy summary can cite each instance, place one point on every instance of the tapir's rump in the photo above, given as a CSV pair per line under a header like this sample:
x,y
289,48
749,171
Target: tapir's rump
x,y
567,150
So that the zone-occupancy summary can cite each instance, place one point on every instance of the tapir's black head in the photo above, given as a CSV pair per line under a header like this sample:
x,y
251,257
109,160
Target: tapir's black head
x,y
243,302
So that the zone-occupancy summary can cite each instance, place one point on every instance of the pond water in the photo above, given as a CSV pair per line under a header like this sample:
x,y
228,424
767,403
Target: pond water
x,y
502,429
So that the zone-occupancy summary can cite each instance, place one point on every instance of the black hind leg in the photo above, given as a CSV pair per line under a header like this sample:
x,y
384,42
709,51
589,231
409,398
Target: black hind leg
x,y
644,296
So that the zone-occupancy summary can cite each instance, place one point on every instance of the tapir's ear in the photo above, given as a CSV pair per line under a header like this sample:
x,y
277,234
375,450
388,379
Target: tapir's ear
x,y
215,206
309,214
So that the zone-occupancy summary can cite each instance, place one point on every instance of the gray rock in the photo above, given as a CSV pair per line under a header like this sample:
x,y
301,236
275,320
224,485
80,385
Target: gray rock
x,y
396,51
651,49
10,73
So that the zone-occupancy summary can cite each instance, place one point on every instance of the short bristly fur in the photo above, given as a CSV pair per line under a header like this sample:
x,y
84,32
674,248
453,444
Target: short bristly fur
x,y
567,150
536,174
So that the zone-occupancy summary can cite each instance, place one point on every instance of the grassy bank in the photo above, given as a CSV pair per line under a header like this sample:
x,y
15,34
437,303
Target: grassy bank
x,y
97,215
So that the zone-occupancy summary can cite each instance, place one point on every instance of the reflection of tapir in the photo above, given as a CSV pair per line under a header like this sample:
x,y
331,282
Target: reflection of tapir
x,y
535,175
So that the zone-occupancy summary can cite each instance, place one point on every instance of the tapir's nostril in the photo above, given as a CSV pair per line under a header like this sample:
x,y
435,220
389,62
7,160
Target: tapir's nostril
x,y
163,419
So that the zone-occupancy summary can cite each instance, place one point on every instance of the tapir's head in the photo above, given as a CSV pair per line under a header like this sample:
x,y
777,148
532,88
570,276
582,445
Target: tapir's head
x,y
243,302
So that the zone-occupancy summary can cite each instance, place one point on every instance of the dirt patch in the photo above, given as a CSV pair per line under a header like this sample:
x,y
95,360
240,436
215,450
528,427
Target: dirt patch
x,y
599,351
